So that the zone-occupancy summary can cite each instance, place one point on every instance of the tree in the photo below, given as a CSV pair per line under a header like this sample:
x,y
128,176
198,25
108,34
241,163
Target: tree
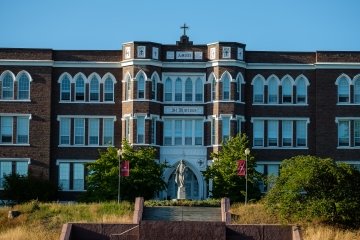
x,y
313,188
223,171
145,174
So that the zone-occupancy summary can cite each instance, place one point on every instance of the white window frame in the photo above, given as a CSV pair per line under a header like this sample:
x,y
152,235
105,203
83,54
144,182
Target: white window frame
x,y
79,128
348,123
140,129
93,130
273,84
61,130
106,119
343,78
301,78
11,77
258,84
287,80
272,132
2,129
284,132
21,131
304,131
258,132
225,133
62,78
19,78
78,78
92,78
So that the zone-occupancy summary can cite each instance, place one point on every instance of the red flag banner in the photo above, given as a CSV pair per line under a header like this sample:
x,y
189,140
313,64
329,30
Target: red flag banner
x,y
241,167
125,168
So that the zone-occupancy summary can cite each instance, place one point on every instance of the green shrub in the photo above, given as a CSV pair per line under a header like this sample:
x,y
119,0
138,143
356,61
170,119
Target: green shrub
x,y
316,189
21,188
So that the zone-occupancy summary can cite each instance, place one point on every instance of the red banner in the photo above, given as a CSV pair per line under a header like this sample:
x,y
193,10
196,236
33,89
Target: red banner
x,y
241,167
125,168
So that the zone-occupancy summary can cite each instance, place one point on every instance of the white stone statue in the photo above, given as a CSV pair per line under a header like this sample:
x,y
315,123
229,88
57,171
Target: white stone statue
x,y
180,174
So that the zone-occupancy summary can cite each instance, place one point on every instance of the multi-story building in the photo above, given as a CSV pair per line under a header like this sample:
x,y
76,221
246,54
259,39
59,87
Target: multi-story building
x,y
58,108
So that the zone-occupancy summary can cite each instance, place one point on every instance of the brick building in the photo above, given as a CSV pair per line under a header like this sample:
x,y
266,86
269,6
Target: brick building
x,y
57,108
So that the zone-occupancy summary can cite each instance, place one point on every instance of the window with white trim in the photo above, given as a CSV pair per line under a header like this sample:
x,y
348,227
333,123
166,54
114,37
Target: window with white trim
x,y
343,90
273,91
94,89
168,89
108,90
199,132
183,132
225,129
8,87
287,133
213,131
80,88
154,81
357,133
21,128
287,90
140,124
258,128
258,90
272,129
141,87
168,132
65,126
199,90
153,130
11,166
127,128
72,176
301,133
93,131
128,93
6,129
79,129
213,89
65,86
178,90
188,90
188,132
23,87
344,133
178,132
301,91
357,91
108,131
239,81
226,87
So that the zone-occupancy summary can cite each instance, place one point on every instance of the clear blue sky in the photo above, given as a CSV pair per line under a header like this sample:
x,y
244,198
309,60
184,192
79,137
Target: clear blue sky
x,y
275,25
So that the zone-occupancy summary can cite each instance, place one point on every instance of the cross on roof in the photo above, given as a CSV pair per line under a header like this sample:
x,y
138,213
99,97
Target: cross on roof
x,y
184,27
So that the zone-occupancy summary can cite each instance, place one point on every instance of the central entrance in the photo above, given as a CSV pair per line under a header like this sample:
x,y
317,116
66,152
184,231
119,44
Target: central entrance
x,y
191,185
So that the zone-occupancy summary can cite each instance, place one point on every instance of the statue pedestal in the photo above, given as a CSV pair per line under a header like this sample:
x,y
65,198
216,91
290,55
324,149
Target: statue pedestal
x,y
181,193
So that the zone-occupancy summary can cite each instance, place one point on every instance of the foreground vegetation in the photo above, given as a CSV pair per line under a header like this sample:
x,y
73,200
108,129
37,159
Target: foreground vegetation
x,y
45,220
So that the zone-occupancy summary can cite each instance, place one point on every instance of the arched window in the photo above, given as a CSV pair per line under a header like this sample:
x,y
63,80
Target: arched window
x,y
178,90
301,90
23,87
287,90
258,89
141,87
343,89
357,91
273,90
8,86
168,89
239,82
80,88
188,90
213,89
198,90
226,86
65,88
128,87
154,82
94,89
108,89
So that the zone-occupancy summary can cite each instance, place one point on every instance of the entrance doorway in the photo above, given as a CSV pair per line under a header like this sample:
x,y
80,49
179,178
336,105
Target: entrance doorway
x,y
191,185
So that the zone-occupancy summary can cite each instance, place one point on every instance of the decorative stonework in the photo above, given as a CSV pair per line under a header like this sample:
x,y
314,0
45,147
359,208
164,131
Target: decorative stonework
x,y
226,52
184,110
141,51
212,53
240,54
155,53
170,55
127,52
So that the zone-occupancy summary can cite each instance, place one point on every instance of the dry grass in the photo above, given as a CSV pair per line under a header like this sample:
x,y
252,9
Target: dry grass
x,y
257,214
44,221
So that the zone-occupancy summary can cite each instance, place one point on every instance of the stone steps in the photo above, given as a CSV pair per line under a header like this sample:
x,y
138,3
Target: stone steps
x,y
178,213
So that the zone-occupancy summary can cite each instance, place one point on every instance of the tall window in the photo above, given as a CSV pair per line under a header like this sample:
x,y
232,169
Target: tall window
x,y
213,89
65,88
188,132
301,91
301,133
94,89
128,87
140,123
93,131
273,129
72,176
287,90
344,133
178,90
22,130
154,81
108,131
78,173
153,131
357,91
213,131
168,132
24,87
258,90
273,91
199,128
226,87
64,176
80,88
287,133
239,81
357,133
178,132
8,87
127,129
198,90
65,131
141,87
343,90
79,125
188,90
225,129
168,89
258,133
6,129
8,167
108,90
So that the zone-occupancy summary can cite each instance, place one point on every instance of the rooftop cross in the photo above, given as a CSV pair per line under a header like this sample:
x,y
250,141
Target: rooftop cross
x,y
184,27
